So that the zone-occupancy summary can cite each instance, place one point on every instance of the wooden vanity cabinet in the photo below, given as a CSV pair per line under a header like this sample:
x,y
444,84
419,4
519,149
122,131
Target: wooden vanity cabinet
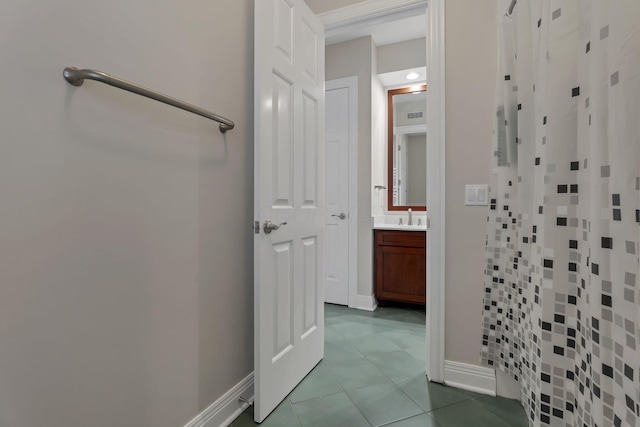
x,y
400,266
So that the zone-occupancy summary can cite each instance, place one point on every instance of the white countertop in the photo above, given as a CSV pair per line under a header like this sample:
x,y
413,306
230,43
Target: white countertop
x,y
399,227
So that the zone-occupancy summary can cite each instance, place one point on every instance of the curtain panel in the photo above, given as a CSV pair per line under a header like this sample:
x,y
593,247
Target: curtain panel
x,y
561,308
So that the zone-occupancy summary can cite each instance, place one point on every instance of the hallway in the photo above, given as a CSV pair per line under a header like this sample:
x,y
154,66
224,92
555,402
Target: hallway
x,y
373,375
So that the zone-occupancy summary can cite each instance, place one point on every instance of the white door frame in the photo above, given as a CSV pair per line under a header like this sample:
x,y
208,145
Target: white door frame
x,y
351,83
436,196
374,10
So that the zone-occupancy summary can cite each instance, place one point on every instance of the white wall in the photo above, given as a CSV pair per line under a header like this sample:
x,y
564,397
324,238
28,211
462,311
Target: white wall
x,y
126,292
379,140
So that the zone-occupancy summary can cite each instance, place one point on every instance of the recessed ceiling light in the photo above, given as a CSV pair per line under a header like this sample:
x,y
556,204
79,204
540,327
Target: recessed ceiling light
x,y
412,76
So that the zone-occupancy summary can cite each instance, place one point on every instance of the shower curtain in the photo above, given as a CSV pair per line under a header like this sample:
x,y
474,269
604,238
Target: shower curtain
x,y
561,309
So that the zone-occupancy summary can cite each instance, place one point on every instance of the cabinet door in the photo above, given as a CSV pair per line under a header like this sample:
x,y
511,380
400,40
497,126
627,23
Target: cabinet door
x,y
401,274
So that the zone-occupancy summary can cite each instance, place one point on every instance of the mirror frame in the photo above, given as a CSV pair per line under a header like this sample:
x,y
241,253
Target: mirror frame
x,y
390,93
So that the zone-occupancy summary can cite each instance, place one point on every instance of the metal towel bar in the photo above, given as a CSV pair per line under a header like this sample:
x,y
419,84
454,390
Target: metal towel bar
x,y
76,77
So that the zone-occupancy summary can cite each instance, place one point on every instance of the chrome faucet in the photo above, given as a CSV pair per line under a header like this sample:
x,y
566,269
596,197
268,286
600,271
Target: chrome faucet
x,y
410,222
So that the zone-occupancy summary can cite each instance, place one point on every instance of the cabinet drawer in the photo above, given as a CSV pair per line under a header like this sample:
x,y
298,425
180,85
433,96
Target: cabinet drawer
x,y
413,239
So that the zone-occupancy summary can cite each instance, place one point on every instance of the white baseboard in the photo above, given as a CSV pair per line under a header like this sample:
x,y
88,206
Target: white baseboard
x,y
474,378
364,302
225,410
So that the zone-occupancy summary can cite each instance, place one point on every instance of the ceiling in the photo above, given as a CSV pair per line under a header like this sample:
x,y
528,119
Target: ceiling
x,y
399,78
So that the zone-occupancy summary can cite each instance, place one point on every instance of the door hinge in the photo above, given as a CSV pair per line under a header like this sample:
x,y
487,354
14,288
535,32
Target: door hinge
x,y
256,227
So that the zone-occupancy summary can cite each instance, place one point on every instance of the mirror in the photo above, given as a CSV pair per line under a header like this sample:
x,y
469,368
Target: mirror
x,y
407,149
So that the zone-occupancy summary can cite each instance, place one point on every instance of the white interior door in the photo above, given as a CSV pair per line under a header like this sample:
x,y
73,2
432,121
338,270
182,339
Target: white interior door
x,y
336,273
289,192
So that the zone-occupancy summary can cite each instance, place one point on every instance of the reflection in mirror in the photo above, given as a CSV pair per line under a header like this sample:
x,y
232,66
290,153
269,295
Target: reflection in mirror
x,y
407,149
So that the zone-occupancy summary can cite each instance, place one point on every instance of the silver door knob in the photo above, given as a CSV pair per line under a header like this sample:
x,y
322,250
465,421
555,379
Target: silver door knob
x,y
341,216
268,226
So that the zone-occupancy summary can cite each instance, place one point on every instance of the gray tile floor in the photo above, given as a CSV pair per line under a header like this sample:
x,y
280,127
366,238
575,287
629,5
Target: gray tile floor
x,y
373,375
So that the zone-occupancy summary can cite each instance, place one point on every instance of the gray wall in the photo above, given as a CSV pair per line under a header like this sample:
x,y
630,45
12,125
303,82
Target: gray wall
x,y
402,55
355,58
126,293
471,60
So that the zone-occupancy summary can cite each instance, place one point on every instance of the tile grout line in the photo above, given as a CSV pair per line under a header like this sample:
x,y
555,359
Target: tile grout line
x,y
478,400
394,324
389,378
356,406
435,423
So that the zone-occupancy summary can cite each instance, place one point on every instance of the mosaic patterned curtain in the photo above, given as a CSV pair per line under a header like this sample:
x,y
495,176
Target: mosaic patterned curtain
x,y
562,292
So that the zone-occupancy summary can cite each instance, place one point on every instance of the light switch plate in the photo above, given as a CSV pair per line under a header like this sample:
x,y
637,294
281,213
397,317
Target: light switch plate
x,y
476,195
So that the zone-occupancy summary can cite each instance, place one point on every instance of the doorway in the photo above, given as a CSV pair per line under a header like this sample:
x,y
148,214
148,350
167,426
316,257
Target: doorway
x,y
357,16
434,363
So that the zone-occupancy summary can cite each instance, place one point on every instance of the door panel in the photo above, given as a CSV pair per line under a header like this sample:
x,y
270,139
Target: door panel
x,y
282,141
288,191
283,29
310,285
283,330
310,147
